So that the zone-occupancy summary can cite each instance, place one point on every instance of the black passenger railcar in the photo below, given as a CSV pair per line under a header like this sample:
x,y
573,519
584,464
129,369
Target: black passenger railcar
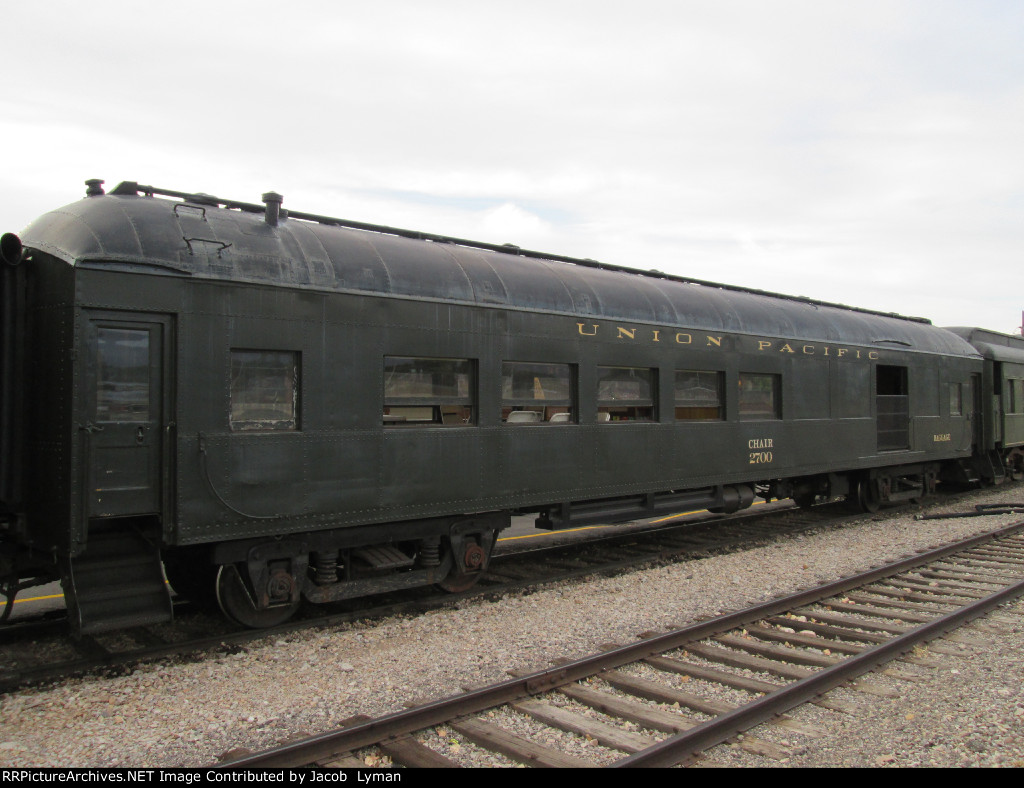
x,y
281,406
1001,430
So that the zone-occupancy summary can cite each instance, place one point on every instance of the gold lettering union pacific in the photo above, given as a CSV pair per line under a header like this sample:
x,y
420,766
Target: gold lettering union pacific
x,y
658,335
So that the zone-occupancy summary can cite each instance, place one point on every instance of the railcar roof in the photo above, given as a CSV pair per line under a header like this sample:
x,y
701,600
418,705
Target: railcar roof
x,y
204,237
992,344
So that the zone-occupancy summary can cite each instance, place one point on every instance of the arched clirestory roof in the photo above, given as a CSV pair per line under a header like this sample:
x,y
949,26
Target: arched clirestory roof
x,y
199,237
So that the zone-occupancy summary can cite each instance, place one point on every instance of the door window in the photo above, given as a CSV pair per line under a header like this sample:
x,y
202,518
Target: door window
x,y
122,380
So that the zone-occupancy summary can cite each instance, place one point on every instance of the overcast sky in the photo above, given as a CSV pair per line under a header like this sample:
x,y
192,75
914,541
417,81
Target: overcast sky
x,y
869,152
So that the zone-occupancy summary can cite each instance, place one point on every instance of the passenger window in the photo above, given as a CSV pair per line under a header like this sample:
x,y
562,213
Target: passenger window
x,y
534,393
625,394
264,390
699,395
1016,396
956,399
760,397
428,392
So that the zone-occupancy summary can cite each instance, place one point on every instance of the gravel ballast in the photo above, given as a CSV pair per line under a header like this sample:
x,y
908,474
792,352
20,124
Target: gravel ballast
x,y
961,703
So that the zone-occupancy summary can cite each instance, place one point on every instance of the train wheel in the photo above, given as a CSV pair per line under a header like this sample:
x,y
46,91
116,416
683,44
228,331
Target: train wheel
x,y
868,495
476,558
459,581
237,602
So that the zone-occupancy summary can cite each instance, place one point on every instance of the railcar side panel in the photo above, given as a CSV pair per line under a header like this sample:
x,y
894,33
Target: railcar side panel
x,y
339,465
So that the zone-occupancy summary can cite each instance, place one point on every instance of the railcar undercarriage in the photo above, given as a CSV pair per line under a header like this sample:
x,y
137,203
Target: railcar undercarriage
x,y
865,490
261,583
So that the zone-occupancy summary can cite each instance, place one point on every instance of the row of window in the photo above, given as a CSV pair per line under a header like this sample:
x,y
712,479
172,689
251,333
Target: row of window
x,y
534,392
265,390
442,391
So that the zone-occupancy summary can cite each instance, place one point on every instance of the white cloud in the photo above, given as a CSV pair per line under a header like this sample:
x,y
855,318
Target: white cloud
x,y
861,152
511,221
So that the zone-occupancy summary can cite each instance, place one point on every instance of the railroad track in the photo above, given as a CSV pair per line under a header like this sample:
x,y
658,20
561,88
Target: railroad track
x,y
42,651
633,702
33,652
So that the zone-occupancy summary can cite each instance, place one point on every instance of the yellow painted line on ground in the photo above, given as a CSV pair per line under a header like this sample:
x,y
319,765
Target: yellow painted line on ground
x,y
592,527
698,511
34,599
552,533
674,516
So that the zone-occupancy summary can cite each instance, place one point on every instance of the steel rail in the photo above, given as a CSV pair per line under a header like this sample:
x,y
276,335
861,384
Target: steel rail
x,y
678,748
401,723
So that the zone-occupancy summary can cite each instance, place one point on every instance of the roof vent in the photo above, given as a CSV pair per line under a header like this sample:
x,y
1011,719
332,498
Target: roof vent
x,y
95,187
201,198
273,202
